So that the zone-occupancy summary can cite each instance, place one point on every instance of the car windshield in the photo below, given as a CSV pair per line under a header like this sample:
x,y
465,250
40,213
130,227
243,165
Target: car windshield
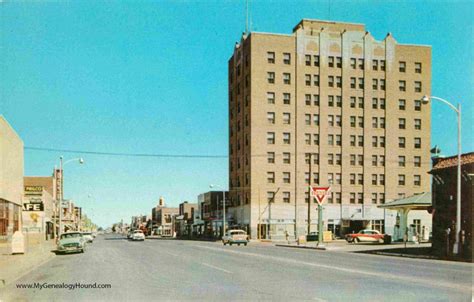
x,y
138,232
71,235
86,233
238,233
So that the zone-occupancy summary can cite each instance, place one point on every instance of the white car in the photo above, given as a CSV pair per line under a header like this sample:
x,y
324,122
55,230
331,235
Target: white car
x,y
88,237
138,235
235,237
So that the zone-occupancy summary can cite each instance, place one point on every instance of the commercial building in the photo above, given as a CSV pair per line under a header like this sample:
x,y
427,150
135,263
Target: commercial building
x,y
162,218
11,180
211,211
185,219
326,105
39,208
444,193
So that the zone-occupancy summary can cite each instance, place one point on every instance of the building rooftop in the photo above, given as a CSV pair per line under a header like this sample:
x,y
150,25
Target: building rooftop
x,y
452,161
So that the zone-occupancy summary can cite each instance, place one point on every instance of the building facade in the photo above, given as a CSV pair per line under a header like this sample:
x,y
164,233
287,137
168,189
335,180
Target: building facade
x,y
444,194
326,105
211,213
163,218
11,180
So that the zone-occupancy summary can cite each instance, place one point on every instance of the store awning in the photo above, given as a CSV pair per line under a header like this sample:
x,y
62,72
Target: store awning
x,y
415,202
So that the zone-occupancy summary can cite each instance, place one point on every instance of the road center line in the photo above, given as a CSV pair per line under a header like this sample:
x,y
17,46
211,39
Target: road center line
x,y
410,280
217,268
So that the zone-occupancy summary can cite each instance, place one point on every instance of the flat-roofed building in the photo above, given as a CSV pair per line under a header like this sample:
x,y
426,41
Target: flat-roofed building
x,y
325,105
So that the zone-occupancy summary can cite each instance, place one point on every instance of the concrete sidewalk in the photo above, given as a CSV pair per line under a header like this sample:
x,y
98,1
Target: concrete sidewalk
x,y
15,266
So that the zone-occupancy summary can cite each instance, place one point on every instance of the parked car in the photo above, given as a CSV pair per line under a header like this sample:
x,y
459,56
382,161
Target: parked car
x,y
365,236
71,242
138,235
88,237
235,237
129,234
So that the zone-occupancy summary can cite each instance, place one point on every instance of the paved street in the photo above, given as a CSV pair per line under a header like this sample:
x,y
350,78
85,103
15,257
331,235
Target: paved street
x,y
191,270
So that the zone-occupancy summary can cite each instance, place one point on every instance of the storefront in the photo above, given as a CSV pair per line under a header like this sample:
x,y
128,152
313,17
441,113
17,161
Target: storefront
x,y
9,219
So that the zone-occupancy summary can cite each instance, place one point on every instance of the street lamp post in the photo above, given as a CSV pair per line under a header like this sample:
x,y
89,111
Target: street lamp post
x,y
61,200
426,100
223,206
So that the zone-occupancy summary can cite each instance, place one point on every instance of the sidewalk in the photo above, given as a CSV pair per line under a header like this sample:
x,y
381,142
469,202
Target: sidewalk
x,y
15,266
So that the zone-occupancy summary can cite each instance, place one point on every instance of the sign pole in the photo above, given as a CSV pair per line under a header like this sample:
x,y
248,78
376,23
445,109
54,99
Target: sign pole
x,y
320,193
320,226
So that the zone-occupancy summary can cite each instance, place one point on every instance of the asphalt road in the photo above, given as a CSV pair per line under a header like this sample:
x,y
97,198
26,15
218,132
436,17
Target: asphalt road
x,y
160,270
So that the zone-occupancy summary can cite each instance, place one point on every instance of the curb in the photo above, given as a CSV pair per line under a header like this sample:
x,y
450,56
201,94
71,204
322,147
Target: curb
x,y
302,247
405,255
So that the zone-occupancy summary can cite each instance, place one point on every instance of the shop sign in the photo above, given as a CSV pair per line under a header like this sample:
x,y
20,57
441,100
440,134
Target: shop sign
x,y
33,207
33,190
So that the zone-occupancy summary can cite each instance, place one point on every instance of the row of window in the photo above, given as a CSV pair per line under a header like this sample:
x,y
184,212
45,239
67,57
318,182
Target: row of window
x,y
336,178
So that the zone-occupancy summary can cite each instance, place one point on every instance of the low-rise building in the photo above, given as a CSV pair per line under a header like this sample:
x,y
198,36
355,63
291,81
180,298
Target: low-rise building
x,y
444,194
185,219
162,218
211,212
11,181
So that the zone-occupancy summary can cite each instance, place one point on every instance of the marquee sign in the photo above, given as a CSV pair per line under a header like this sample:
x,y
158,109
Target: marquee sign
x,y
33,190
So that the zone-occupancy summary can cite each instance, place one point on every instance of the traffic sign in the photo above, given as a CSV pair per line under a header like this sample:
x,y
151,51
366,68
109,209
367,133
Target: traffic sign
x,y
320,193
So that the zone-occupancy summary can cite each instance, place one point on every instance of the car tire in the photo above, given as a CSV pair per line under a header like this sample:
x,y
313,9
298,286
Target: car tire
x,y
356,240
230,243
245,244
238,244
82,251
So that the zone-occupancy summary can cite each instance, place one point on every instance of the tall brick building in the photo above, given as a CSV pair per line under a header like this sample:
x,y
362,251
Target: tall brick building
x,y
331,94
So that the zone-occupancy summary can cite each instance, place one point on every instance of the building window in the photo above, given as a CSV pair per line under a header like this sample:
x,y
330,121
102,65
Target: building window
x,y
316,119
417,180
417,161
360,177
271,117
271,138
375,65
382,198
353,101
375,102
307,79
307,99
382,65
401,104
286,58
316,139
307,60
382,84
331,61
338,140
307,139
417,86
352,140
353,63
271,57
361,83
330,178
270,97
417,105
375,122
331,101
316,60
382,179
401,161
352,178
286,197
360,159
338,178
307,119
330,159
338,197
401,179
338,121
316,80
353,159
360,198
417,67
331,81
331,120
374,197
353,82
286,118
361,64
271,157
286,138
417,143
361,140
374,141
338,159
417,124
286,177
375,84
353,121
401,123
361,102
339,101
286,98
316,99
382,104
271,77
339,82
270,177
353,197
374,160
331,140
361,121
374,179
286,157
402,85
286,78
402,66
382,142
339,62
401,142
270,196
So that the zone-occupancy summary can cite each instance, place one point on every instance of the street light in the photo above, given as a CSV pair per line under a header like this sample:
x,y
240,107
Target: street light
x,y
425,100
61,200
223,206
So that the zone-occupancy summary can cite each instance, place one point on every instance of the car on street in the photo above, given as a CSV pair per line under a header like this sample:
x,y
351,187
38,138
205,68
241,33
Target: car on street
x,y
138,235
365,236
88,237
235,237
71,242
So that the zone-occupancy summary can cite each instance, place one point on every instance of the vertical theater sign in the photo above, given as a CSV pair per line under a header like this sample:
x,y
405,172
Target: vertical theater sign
x,y
33,209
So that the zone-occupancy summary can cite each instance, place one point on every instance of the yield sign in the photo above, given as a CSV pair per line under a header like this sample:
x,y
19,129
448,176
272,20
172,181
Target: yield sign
x,y
320,193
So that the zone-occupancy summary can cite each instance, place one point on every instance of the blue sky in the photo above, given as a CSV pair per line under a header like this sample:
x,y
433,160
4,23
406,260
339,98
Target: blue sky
x,y
151,77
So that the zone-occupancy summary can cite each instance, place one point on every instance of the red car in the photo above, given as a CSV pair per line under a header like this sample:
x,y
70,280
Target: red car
x,y
365,236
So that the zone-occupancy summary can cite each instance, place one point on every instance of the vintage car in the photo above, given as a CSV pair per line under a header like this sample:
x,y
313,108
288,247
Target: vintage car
x,y
365,236
235,237
71,242
137,235
88,237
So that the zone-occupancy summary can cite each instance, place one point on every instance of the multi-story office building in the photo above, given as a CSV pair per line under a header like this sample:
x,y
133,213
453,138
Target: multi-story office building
x,y
325,105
